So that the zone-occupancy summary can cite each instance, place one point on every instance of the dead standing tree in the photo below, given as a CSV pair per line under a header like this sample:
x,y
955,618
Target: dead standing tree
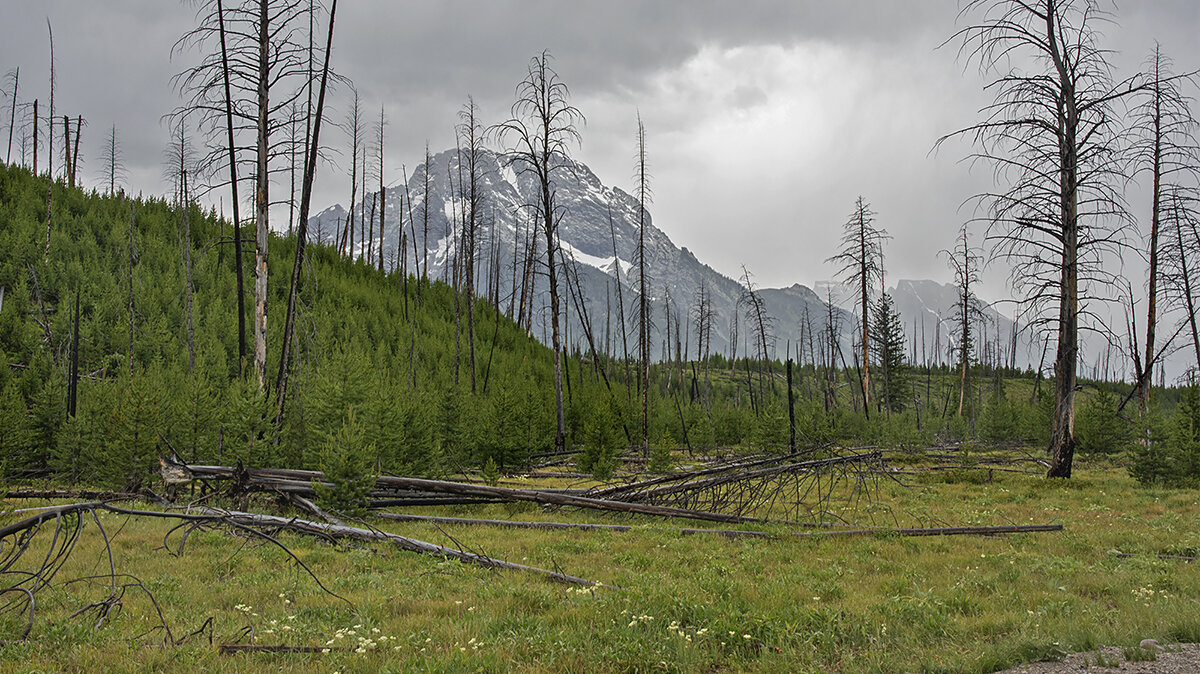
x,y
253,72
965,261
113,169
49,146
354,127
861,266
1165,147
761,324
1052,136
470,137
643,197
310,168
541,131
15,77
1183,251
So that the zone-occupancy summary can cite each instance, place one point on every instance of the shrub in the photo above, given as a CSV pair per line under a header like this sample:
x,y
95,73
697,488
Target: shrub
x,y
660,454
346,463
1097,427
599,455
1172,457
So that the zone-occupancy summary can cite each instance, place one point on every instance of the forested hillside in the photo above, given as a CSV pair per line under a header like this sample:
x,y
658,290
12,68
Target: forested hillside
x,y
375,353
382,379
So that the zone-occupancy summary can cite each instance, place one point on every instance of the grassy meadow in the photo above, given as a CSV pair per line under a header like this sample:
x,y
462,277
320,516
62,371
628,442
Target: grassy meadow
x,y
674,602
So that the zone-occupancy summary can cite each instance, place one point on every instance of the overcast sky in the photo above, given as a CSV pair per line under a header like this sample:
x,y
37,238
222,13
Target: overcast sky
x,y
764,119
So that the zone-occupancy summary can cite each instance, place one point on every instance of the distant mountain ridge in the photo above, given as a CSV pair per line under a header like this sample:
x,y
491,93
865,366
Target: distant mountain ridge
x,y
597,218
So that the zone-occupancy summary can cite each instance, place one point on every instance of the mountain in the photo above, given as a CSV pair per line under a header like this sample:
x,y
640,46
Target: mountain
x,y
929,307
598,235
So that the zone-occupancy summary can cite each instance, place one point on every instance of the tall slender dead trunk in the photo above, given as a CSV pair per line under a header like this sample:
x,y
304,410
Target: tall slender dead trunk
x,y
1062,431
129,279
382,190
12,118
50,148
643,299
35,136
67,150
262,200
233,186
184,205
75,153
310,163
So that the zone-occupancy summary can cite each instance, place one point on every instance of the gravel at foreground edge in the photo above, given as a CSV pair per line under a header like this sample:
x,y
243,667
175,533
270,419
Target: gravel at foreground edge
x,y
1177,659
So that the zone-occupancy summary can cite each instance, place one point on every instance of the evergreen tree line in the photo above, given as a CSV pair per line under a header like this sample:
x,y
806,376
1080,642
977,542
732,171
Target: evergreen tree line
x,y
374,379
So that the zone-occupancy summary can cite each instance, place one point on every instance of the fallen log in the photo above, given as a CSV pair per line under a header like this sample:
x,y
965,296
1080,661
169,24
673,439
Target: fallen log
x,y
69,493
402,517
929,531
291,480
1182,558
749,462
749,475
336,531
736,533
230,649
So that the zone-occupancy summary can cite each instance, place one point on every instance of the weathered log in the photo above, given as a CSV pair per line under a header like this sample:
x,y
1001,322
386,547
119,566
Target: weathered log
x,y
930,531
68,493
402,517
325,530
284,480
754,474
736,533
229,649
687,475
1182,558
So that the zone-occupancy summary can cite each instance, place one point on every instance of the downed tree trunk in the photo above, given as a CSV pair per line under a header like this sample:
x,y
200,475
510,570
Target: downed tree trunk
x,y
400,517
736,533
230,649
71,493
687,475
930,531
292,481
748,475
411,544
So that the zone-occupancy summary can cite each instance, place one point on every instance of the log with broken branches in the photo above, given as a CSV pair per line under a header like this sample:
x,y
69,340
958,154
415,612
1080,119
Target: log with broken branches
x,y
343,532
658,492
27,569
302,481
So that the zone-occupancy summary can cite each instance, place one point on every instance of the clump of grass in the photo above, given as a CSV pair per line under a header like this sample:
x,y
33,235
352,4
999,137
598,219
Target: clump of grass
x,y
1139,654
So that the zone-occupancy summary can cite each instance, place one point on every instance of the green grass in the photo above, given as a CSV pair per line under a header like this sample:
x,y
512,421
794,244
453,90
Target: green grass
x,y
687,603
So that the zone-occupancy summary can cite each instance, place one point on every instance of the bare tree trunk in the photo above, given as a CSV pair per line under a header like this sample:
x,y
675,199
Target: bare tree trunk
x,y
73,378
1062,430
67,150
643,300
310,163
50,148
12,119
233,185
866,350
184,205
1186,276
35,136
130,285
75,154
382,190
791,408
425,222
261,201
